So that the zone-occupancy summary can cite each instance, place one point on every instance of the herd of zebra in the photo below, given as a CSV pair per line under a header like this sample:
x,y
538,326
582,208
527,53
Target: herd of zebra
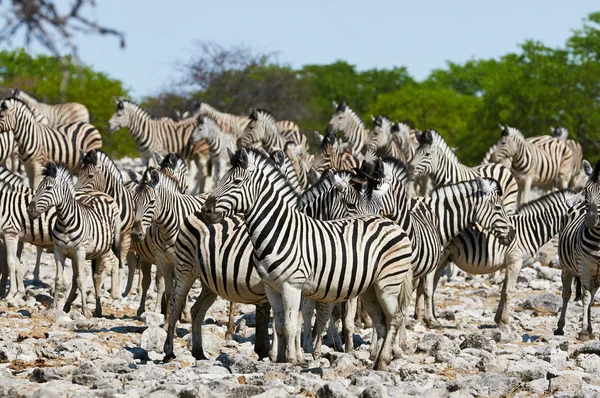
x,y
370,217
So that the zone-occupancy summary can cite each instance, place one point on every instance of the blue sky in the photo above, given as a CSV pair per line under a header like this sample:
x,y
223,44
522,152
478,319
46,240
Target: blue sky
x,y
421,35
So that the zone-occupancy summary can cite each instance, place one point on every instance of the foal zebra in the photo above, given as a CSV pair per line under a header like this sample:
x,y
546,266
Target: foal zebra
x,y
479,252
579,251
218,144
39,143
348,122
325,261
542,161
86,228
435,159
54,115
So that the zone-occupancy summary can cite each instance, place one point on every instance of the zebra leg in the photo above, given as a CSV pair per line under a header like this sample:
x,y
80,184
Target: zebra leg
x,y
308,309
132,262
3,268
586,303
502,317
348,324
291,297
593,289
146,279
11,243
199,310
79,263
567,280
277,353
36,269
261,337
178,299
373,308
160,289
420,302
323,316
231,321
59,277
431,282
98,276
526,194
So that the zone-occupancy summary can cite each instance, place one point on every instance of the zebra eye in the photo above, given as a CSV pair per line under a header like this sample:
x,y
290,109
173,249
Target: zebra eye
x,y
48,188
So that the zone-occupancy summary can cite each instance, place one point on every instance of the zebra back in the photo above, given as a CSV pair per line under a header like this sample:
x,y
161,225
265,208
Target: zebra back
x,y
347,121
54,115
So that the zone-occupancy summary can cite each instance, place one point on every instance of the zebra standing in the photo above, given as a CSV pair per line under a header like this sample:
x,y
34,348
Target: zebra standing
x,y
479,252
162,135
237,123
86,227
16,227
54,115
39,143
218,143
295,253
435,159
262,131
542,162
579,251
9,152
99,173
348,122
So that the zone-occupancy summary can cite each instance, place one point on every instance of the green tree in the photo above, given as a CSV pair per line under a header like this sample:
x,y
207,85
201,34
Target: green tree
x,y
41,76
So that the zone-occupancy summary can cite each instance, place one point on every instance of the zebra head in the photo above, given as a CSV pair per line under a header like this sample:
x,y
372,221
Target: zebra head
x,y
90,174
356,197
11,110
508,145
381,135
261,123
145,204
55,188
592,193
120,118
340,119
202,130
560,132
425,161
324,155
489,210
236,192
387,180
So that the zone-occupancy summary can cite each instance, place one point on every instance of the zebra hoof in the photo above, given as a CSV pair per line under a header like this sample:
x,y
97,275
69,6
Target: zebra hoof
x,y
169,357
559,332
198,355
583,336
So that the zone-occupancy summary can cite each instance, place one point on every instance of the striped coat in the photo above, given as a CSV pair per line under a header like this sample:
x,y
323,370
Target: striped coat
x,y
54,115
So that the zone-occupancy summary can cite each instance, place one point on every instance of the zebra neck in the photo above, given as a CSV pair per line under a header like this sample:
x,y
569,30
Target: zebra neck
x,y
397,208
140,126
27,135
68,211
355,134
454,214
525,156
446,172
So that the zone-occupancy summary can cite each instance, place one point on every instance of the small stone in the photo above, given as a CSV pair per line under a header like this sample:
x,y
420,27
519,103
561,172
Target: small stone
x,y
479,342
153,339
589,362
375,391
153,318
44,393
87,375
566,383
545,302
334,389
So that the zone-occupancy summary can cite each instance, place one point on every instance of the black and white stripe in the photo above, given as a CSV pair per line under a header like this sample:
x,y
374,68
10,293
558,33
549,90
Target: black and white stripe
x,y
436,159
237,123
54,115
86,228
262,131
328,157
348,122
298,255
578,178
382,142
39,143
218,143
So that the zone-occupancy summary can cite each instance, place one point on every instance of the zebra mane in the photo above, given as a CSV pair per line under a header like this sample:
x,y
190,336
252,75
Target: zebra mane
x,y
108,164
205,119
20,101
343,107
435,140
401,129
259,113
398,169
381,120
259,159
170,183
55,170
312,193
25,94
535,206
508,131
141,111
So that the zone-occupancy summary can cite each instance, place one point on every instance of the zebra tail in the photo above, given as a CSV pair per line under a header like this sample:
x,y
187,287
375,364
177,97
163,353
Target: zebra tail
x,y
405,295
116,246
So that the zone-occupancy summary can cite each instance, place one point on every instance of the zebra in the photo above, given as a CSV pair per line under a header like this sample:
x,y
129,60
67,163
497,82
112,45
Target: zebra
x,y
541,162
10,179
218,141
327,156
9,152
578,178
348,122
262,131
479,252
16,228
383,142
159,200
39,143
237,123
99,173
86,227
435,159
54,115
291,258
433,222
161,135
578,250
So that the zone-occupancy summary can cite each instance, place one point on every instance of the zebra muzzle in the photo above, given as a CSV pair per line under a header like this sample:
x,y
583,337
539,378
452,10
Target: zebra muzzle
x,y
32,211
209,211
136,232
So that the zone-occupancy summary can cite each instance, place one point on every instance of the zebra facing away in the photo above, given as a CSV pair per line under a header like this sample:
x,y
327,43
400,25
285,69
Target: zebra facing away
x,y
579,251
479,252
367,256
86,228
348,122
54,115
39,143
435,159
544,161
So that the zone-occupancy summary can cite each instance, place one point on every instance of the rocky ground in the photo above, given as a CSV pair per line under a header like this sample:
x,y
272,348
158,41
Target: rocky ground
x,y
47,353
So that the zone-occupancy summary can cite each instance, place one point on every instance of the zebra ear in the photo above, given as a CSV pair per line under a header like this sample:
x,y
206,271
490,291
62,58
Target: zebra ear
x,y
170,160
587,168
503,131
318,138
395,127
158,158
178,114
243,159
185,114
314,175
339,183
154,178
231,155
200,119
335,104
120,104
50,170
485,185
4,106
278,157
